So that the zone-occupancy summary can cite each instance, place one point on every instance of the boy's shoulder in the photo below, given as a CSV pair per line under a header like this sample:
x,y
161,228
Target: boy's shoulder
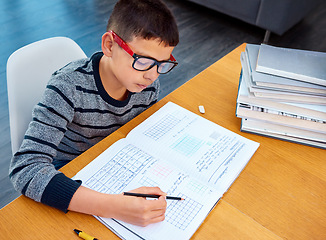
x,y
79,71
75,67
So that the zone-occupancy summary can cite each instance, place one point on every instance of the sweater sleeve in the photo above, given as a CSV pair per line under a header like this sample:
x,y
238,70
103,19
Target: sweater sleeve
x,y
31,170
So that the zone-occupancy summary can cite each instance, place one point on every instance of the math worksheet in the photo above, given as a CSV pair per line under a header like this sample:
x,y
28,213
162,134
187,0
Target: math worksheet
x,y
179,151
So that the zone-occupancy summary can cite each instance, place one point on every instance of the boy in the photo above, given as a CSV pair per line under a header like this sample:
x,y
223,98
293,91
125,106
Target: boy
x,y
87,100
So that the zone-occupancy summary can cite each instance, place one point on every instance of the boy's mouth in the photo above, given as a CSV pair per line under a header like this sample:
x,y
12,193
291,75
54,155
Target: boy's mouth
x,y
142,86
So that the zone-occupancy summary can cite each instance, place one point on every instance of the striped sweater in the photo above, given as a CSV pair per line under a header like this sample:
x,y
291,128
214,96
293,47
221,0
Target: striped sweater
x,y
74,114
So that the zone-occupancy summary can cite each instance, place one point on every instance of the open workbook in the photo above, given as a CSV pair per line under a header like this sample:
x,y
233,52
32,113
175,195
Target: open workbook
x,y
185,155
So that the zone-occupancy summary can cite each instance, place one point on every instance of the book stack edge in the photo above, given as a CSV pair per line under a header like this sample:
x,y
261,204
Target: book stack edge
x,y
282,94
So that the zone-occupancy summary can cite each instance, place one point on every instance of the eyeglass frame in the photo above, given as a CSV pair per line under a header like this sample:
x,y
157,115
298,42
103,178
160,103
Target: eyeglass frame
x,y
157,63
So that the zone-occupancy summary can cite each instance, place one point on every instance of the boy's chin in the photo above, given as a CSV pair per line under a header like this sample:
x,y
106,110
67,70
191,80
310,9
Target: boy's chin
x,y
135,91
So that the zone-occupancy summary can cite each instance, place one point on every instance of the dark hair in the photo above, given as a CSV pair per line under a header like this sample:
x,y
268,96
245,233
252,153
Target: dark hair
x,y
149,19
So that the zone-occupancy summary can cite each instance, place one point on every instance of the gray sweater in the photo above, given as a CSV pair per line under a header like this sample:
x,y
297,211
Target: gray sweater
x,y
74,114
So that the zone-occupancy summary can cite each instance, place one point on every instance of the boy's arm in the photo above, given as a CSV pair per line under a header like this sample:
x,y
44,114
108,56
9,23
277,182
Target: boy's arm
x,y
31,170
135,210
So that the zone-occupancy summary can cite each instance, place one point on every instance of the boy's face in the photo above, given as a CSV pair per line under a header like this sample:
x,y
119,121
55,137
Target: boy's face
x,y
120,63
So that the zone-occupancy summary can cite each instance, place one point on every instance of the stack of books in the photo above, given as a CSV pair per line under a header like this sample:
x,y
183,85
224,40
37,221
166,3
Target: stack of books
x,y
282,94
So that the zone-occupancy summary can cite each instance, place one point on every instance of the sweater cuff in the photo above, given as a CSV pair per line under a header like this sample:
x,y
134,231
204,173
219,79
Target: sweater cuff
x,y
58,193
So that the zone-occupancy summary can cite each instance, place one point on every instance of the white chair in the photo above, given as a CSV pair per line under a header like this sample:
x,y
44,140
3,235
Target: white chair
x,y
28,71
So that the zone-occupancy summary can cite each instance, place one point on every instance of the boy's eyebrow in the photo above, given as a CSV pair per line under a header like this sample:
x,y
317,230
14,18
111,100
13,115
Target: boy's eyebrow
x,y
148,56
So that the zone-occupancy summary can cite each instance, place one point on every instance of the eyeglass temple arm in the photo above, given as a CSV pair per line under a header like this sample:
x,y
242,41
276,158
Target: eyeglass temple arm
x,y
172,58
124,45
121,43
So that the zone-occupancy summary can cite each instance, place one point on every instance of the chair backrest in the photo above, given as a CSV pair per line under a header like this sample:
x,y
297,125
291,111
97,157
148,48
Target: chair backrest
x,y
28,71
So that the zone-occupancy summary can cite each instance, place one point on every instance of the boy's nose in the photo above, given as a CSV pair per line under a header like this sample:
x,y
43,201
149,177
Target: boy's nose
x,y
151,74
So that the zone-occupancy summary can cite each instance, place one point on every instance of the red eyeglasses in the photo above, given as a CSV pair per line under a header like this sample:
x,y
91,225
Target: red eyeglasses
x,y
142,63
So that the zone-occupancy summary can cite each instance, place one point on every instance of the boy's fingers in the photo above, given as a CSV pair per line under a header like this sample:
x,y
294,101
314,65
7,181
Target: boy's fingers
x,y
153,190
155,216
159,204
155,219
158,218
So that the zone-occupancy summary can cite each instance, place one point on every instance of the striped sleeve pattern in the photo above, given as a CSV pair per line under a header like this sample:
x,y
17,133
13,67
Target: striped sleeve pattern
x,y
74,114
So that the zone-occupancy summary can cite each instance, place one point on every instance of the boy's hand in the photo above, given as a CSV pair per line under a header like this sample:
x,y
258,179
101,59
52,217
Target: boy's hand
x,y
138,210
134,210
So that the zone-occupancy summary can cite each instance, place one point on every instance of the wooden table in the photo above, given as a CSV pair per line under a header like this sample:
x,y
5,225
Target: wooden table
x,y
281,194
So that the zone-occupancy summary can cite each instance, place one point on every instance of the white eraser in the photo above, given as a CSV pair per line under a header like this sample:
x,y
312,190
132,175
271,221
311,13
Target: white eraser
x,y
201,109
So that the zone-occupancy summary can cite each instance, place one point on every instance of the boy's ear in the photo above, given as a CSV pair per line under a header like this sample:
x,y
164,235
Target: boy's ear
x,y
107,43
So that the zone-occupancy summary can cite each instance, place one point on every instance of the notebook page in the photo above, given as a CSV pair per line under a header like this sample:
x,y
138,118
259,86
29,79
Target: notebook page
x,y
202,148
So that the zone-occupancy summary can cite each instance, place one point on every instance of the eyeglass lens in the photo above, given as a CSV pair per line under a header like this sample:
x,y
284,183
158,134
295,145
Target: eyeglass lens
x,y
143,64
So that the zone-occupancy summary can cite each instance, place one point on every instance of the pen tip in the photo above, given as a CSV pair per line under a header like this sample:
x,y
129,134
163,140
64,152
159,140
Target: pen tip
x,y
182,199
77,231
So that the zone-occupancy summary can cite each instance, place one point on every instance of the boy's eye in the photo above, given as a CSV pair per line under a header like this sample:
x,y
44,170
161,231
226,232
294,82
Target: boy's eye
x,y
143,63
165,67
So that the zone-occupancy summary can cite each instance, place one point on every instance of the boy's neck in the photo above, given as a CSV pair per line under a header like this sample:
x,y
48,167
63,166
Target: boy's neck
x,y
120,96
108,81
